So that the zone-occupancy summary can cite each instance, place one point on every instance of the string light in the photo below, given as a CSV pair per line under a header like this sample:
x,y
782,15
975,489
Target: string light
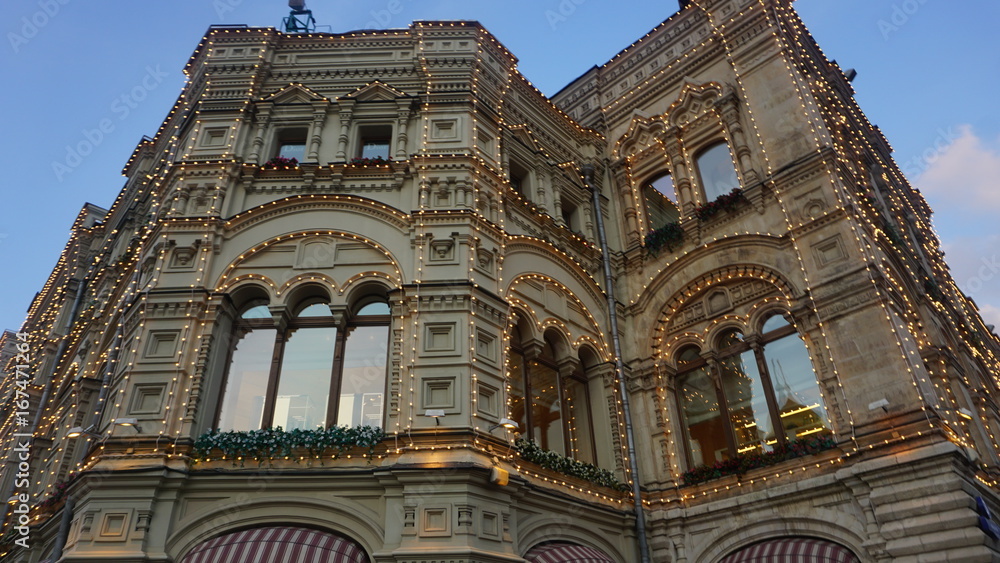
x,y
179,189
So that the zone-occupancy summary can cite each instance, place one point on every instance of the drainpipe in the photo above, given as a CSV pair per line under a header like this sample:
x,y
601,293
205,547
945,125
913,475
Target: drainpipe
x,y
587,170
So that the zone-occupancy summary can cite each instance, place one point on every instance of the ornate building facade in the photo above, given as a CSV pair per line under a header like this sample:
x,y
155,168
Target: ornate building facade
x,y
373,296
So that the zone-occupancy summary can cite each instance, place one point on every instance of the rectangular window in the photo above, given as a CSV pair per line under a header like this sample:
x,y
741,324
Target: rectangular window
x,y
296,150
374,141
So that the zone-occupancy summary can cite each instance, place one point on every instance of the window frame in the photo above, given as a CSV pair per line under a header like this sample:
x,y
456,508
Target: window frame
x,y
287,136
702,184
756,342
649,189
374,131
242,326
579,375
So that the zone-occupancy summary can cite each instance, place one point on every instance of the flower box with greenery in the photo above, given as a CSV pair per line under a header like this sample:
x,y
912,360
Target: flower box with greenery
x,y
725,202
754,460
669,236
374,161
532,452
54,499
281,162
270,444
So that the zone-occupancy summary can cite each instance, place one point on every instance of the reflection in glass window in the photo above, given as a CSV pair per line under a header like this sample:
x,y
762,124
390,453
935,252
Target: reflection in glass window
x,y
295,391
717,172
796,391
546,411
304,382
749,417
293,150
579,421
704,427
660,202
362,385
553,411
246,386
374,141
760,386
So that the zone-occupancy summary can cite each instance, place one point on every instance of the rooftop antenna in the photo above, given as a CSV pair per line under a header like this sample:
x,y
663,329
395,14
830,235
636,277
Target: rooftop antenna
x,y
299,20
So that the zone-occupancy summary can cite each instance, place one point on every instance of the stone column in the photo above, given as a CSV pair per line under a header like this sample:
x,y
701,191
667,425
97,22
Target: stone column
x,y
263,120
316,131
402,120
346,115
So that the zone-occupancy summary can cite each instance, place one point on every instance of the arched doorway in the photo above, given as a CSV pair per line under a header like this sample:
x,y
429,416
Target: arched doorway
x,y
561,552
277,545
793,550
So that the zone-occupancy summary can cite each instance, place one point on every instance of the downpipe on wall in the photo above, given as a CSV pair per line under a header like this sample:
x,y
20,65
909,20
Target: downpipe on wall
x,y
587,171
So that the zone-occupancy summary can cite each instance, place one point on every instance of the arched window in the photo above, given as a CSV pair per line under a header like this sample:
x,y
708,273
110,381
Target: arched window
x,y
661,206
551,409
717,172
579,418
766,394
545,416
313,373
704,432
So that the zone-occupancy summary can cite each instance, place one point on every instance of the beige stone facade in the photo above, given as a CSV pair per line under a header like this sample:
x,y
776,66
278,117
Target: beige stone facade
x,y
435,263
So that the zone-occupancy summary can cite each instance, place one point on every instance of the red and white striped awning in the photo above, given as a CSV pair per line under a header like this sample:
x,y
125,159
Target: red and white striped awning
x,y
277,545
566,553
793,550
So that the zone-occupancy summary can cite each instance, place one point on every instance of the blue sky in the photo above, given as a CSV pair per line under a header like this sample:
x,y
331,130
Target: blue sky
x,y
99,75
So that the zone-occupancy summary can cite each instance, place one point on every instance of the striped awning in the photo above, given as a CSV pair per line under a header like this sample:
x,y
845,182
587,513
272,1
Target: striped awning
x,y
793,550
566,553
277,545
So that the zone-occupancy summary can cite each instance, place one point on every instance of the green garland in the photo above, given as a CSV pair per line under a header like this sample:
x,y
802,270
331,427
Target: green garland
x,y
670,236
756,459
530,451
725,202
269,444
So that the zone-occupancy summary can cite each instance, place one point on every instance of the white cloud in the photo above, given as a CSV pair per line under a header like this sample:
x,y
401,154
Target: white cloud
x,y
962,183
964,174
991,315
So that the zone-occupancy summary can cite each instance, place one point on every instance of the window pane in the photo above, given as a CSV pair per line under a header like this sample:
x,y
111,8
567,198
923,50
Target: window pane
x,y
718,175
293,150
375,148
579,421
546,416
304,383
702,420
748,414
377,308
362,387
517,411
246,384
660,202
258,312
315,310
773,323
797,391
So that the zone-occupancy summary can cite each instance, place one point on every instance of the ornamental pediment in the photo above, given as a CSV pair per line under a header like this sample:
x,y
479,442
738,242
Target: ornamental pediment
x,y
522,134
294,94
375,92
694,101
641,134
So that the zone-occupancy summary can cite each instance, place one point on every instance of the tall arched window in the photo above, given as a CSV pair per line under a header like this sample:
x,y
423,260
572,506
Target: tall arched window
x,y
716,171
765,393
579,416
550,398
701,416
661,206
312,373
